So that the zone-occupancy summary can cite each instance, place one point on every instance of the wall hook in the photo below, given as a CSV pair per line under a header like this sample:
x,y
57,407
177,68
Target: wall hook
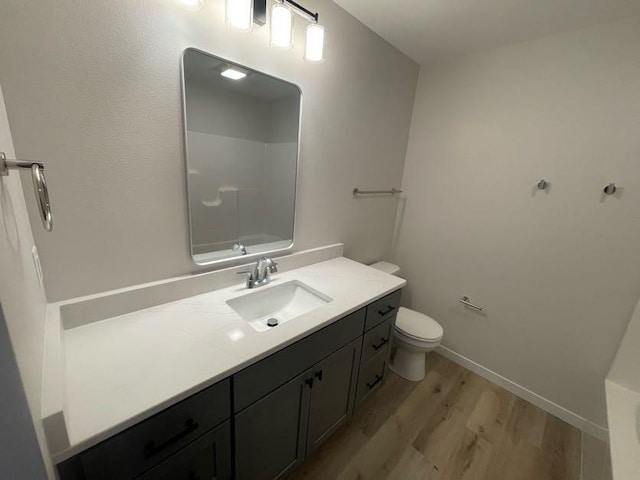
x,y
543,184
610,189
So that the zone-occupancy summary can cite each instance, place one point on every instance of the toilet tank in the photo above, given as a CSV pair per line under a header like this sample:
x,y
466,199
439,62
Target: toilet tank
x,y
386,267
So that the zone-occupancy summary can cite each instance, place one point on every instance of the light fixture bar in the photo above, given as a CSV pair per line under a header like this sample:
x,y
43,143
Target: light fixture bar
x,y
302,11
260,12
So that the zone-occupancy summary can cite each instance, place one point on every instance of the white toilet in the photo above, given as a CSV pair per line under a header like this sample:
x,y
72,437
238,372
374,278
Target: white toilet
x,y
414,334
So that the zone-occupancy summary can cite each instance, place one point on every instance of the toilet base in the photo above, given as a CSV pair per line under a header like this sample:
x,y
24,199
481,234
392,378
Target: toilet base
x,y
408,364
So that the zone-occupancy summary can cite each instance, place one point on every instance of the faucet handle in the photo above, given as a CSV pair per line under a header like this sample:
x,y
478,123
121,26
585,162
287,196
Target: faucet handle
x,y
250,279
273,266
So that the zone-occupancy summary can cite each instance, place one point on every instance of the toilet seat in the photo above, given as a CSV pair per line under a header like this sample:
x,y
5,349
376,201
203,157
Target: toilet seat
x,y
418,326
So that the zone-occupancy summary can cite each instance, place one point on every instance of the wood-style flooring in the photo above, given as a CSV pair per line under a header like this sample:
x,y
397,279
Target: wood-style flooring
x,y
453,425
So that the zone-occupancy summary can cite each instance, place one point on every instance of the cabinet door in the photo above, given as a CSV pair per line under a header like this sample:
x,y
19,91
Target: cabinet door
x,y
208,458
333,393
270,435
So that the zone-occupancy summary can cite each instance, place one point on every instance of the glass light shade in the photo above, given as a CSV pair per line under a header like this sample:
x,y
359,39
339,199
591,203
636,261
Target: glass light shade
x,y
314,49
281,26
240,13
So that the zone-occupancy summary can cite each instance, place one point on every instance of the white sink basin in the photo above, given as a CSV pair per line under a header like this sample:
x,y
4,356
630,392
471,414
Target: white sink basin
x,y
280,302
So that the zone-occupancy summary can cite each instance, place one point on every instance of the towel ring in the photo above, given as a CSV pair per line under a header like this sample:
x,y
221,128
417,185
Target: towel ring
x,y
39,185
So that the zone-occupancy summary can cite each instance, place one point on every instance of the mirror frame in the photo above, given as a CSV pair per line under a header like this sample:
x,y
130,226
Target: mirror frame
x,y
249,256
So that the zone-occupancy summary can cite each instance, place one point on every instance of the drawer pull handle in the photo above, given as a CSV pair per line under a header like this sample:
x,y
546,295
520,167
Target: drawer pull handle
x,y
319,375
152,449
383,342
375,382
387,311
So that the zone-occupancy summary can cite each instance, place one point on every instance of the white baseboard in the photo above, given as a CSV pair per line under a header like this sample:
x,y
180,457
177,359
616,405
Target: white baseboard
x,y
547,405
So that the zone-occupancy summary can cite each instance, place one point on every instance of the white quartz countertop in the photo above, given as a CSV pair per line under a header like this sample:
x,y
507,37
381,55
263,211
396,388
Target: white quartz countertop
x,y
623,404
122,370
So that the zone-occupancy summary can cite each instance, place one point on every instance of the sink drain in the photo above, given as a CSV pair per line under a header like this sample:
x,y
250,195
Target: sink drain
x,y
272,322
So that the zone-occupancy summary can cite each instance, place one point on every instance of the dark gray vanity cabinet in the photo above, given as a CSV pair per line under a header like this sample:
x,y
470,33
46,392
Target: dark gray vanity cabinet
x,y
376,344
165,441
208,458
276,433
333,393
278,430
274,413
271,434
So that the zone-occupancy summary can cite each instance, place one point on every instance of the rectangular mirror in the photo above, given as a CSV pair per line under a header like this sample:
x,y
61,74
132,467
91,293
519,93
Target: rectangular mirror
x,y
241,134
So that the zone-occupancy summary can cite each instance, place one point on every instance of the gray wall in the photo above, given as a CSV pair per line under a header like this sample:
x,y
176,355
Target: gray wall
x,y
557,272
22,336
93,88
20,457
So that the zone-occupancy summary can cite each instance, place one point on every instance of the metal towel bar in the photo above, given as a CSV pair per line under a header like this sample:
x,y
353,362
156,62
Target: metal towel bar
x,y
393,191
39,185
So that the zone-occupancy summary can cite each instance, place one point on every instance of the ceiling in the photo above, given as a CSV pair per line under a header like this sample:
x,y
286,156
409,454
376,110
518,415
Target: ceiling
x,y
429,30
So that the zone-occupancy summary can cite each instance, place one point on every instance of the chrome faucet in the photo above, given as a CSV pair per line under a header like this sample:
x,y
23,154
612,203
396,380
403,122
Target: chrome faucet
x,y
261,273
239,247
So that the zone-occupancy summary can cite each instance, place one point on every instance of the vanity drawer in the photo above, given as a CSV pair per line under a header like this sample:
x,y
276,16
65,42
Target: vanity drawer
x,y
371,376
382,309
143,446
254,382
209,457
377,340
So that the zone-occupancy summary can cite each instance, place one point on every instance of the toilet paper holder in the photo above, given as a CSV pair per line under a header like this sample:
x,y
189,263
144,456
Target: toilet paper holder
x,y
465,301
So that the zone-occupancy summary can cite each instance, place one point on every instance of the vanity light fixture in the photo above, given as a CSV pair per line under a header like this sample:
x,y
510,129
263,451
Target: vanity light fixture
x,y
281,26
240,14
243,13
233,74
314,49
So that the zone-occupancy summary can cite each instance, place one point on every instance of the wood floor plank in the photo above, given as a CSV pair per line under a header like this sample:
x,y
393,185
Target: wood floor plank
x,y
560,450
378,458
516,460
413,466
470,458
528,422
445,428
425,401
490,414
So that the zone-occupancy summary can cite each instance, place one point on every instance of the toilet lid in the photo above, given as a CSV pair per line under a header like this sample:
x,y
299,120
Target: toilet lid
x,y
417,325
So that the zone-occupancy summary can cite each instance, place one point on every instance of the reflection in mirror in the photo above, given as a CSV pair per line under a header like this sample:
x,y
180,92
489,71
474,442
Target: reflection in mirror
x,y
242,130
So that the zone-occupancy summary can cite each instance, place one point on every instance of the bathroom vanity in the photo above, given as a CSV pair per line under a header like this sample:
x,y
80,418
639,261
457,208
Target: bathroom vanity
x,y
233,400
206,377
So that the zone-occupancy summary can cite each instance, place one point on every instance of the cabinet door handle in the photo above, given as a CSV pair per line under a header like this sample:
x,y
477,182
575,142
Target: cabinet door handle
x,y
375,382
383,342
319,375
309,382
152,449
389,309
